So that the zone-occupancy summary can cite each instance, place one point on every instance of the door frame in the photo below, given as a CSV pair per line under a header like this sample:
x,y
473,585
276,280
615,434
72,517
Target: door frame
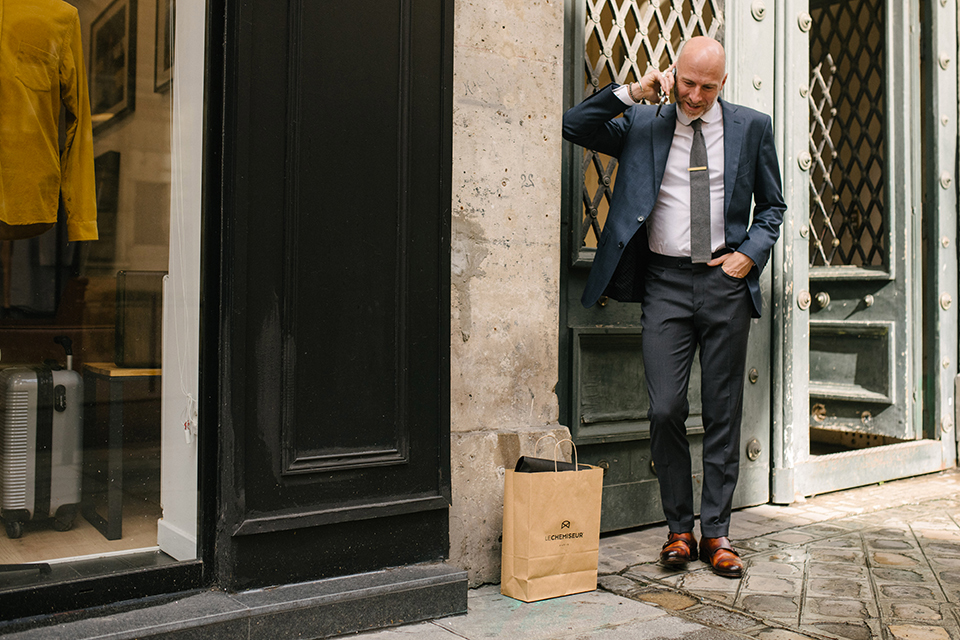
x,y
795,472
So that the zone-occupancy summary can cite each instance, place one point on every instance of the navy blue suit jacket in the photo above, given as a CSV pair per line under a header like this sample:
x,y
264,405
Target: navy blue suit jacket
x,y
641,143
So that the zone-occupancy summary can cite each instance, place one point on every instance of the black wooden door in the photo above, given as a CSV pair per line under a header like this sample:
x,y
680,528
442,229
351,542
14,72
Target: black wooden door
x,y
334,443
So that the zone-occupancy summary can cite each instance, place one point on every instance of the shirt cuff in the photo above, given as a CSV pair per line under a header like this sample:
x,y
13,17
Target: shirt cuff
x,y
623,92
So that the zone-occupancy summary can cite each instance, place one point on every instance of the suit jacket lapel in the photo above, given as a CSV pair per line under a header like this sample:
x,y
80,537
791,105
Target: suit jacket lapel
x,y
732,140
662,130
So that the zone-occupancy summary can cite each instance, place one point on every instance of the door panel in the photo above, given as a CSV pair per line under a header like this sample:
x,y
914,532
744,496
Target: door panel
x,y
603,392
849,270
861,343
336,272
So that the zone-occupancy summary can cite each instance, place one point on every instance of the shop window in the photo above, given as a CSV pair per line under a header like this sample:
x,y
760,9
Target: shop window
x,y
99,329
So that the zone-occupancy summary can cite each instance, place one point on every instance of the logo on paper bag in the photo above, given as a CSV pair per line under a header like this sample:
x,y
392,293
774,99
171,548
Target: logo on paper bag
x,y
550,537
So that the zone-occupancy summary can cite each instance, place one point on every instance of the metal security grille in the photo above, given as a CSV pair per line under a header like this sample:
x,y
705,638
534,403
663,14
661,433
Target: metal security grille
x,y
622,38
847,125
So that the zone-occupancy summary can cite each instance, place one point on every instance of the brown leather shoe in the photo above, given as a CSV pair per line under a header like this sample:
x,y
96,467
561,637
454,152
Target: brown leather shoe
x,y
678,550
720,555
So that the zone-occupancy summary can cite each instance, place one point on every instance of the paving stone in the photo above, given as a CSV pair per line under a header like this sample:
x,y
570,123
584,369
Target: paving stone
x,y
723,597
899,575
772,584
851,630
710,582
891,545
814,608
760,544
937,534
944,562
849,556
838,543
907,592
619,585
838,587
917,632
607,565
950,577
780,634
827,570
652,571
764,604
668,599
913,611
723,618
772,568
792,537
793,555
889,559
943,549
823,530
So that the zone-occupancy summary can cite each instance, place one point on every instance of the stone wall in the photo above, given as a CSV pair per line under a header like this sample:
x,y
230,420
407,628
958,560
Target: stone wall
x,y
508,83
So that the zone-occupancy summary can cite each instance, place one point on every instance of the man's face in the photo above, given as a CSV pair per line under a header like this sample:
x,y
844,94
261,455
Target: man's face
x,y
697,87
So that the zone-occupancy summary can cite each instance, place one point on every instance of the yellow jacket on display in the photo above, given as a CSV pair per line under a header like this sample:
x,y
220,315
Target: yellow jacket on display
x,y
41,68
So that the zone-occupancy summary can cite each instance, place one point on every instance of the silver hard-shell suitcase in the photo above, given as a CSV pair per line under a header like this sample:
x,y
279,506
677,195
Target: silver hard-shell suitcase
x,y
41,440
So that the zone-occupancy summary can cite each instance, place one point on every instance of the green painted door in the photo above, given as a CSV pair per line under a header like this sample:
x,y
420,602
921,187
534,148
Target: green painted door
x,y
850,289
603,394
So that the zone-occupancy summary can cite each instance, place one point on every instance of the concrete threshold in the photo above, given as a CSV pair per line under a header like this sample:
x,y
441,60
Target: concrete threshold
x,y
318,609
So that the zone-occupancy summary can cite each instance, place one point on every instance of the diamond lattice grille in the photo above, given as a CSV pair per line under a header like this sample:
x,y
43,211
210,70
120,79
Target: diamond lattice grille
x,y
622,38
847,122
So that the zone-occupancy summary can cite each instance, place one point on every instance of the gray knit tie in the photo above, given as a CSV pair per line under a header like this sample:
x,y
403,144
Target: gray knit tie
x,y
700,249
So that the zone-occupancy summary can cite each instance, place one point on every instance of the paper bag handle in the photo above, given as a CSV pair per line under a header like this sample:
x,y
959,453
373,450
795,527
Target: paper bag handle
x,y
576,465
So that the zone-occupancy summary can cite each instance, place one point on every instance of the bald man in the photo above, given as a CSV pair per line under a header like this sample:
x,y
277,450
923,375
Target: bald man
x,y
680,238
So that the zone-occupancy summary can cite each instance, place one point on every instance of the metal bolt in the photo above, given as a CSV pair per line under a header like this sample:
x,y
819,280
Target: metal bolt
x,y
945,241
758,10
823,299
944,61
804,231
945,180
804,21
819,412
804,91
868,300
603,464
945,301
757,82
945,120
804,300
946,424
754,375
754,449
866,418
804,160
946,363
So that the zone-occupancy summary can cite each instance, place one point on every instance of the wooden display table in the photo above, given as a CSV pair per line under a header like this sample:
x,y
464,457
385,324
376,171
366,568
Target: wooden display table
x,y
96,479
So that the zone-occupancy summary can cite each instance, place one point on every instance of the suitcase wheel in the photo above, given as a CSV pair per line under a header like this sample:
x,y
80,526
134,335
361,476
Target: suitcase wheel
x,y
62,525
14,529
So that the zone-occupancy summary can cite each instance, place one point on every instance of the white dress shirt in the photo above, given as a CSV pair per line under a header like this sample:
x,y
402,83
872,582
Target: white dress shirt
x,y
668,227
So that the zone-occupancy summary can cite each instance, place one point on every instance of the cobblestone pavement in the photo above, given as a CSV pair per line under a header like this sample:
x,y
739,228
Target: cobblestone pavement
x,y
876,562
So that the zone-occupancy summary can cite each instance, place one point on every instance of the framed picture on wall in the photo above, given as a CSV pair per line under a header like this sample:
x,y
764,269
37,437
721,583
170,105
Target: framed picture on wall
x,y
113,63
163,47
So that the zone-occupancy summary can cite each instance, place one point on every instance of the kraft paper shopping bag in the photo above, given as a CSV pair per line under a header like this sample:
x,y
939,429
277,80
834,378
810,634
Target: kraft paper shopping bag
x,y
551,530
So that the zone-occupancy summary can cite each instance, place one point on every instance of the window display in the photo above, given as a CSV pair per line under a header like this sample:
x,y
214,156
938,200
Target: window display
x,y
98,324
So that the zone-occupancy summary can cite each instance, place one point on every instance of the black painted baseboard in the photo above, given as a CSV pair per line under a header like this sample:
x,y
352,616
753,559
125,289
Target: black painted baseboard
x,y
320,609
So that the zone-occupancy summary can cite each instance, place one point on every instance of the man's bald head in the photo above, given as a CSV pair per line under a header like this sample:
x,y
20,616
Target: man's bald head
x,y
700,75
703,52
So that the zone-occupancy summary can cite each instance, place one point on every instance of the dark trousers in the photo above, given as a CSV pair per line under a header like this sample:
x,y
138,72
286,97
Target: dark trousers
x,y
686,307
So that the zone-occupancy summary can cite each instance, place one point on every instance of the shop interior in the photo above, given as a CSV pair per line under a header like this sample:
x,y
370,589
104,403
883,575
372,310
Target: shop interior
x,y
84,496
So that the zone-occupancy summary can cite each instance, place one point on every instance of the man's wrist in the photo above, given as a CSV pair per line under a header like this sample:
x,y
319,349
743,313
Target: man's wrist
x,y
630,92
